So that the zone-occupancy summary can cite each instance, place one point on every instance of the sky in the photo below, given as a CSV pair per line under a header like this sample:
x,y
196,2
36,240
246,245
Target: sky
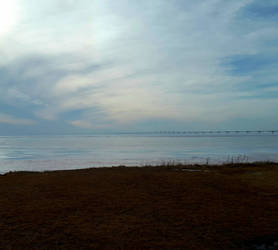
x,y
81,66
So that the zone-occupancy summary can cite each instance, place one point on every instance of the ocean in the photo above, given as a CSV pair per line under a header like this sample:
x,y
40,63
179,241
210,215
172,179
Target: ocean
x,y
59,152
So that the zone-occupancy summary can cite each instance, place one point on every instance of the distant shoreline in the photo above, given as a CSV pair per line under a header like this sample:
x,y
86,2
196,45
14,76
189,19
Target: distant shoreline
x,y
162,133
171,166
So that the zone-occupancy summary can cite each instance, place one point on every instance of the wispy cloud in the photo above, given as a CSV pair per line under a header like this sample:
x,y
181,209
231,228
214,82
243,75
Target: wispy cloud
x,y
8,119
81,124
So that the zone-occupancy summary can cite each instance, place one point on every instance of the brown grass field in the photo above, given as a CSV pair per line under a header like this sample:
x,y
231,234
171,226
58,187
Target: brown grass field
x,y
217,207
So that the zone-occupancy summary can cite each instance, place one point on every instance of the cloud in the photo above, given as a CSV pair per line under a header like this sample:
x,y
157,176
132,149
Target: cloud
x,y
114,64
81,124
8,119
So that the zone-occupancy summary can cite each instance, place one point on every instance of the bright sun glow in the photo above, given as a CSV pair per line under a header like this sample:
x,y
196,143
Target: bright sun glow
x,y
8,15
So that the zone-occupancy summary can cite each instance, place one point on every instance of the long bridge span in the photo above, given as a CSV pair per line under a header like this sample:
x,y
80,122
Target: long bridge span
x,y
206,132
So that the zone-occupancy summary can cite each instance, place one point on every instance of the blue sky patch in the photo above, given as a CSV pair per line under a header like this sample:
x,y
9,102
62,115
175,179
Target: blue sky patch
x,y
248,64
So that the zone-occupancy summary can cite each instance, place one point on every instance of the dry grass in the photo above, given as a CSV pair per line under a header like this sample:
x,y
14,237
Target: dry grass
x,y
227,207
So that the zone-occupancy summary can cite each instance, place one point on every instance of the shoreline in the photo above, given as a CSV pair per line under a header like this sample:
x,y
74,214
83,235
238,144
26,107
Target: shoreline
x,y
164,207
171,165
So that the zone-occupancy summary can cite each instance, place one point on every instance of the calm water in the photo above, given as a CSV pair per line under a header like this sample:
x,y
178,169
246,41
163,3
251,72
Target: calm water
x,y
69,152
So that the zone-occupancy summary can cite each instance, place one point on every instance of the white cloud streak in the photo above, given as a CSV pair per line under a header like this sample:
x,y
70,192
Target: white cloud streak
x,y
11,120
81,124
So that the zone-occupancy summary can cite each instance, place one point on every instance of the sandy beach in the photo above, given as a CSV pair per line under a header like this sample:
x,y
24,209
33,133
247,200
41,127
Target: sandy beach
x,y
174,207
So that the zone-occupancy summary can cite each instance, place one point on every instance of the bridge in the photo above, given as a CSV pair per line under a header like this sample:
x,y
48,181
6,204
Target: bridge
x,y
207,132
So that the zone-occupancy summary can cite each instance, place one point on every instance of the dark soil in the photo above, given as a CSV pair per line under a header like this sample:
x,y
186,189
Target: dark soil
x,y
227,207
